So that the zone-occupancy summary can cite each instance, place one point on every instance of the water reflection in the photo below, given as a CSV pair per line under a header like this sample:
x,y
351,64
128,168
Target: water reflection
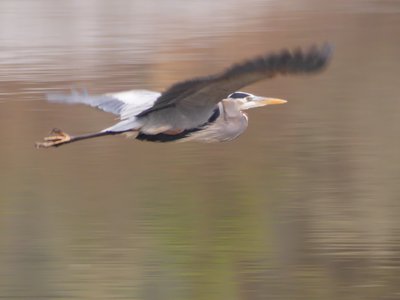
x,y
303,206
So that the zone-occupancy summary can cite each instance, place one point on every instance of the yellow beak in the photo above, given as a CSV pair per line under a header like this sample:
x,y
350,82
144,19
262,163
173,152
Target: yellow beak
x,y
272,101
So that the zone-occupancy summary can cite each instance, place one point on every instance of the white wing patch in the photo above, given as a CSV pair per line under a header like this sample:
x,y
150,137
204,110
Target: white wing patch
x,y
125,104
135,101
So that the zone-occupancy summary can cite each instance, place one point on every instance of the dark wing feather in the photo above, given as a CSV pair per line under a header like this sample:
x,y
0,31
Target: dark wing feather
x,y
209,90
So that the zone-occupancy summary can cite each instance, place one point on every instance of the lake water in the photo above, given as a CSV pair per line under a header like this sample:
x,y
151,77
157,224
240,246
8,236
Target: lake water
x,y
304,205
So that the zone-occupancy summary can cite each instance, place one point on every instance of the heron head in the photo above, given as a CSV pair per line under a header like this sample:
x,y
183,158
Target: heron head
x,y
247,101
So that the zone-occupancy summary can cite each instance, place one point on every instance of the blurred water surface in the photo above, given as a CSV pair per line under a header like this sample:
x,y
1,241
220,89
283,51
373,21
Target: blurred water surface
x,y
304,205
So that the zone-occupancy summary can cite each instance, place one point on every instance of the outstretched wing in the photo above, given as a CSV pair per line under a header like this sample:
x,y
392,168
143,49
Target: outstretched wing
x,y
123,104
207,91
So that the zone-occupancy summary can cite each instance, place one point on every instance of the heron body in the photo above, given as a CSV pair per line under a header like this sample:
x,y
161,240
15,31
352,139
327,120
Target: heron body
x,y
205,109
221,126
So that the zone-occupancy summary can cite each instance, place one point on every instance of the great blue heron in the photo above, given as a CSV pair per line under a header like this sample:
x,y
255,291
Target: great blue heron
x,y
206,109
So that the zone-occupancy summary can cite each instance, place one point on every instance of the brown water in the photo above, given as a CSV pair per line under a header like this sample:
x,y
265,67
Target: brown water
x,y
304,205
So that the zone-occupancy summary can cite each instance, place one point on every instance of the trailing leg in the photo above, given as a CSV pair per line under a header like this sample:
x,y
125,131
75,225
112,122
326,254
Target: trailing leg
x,y
58,138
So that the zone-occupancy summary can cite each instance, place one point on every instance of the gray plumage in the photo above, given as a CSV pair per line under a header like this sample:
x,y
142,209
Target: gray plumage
x,y
209,90
187,106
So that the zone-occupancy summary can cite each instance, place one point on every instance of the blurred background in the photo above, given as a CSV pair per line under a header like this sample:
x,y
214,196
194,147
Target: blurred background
x,y
304,205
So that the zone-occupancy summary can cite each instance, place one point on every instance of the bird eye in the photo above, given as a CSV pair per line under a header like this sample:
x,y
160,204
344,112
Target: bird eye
x,y
248,98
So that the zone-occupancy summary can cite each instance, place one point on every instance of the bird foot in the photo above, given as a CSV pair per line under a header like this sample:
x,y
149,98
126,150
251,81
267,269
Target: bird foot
x,y
57,138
